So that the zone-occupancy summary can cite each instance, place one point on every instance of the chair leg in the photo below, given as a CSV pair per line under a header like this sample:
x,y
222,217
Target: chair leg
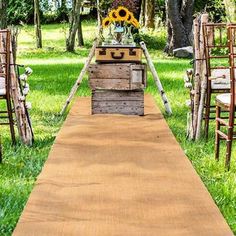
x,y
207,114
229,148
217,138
11,121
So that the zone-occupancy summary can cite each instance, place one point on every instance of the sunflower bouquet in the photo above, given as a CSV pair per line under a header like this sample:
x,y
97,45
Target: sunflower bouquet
x,y
120,22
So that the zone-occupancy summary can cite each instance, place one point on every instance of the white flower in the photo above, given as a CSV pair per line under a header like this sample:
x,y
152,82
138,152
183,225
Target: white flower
x,y
23,77
26,91
22,98
188,85
188,103
26,85
28,71
28,105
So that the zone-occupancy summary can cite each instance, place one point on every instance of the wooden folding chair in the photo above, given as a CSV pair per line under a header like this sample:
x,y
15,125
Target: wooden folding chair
x,y
216,59
218,81
5,81
226,102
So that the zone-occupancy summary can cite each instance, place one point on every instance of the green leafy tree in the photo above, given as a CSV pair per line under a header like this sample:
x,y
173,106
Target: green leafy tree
x,y
230,6
20,11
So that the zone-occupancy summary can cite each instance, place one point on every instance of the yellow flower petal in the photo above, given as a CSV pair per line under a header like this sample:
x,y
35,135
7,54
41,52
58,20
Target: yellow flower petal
x,y
113,15
135,23
130,18
106,22
123,13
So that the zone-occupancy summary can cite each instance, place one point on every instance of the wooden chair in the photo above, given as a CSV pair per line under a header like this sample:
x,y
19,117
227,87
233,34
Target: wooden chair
x,y
218,72
226,102
5,81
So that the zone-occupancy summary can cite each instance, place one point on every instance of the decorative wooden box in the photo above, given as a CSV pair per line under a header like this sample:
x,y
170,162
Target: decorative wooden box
x,y
117,76
118,102
118,54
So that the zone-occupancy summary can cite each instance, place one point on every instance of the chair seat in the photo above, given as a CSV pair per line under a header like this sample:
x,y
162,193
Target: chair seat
x,y
2,92
2,86
224,99
220,83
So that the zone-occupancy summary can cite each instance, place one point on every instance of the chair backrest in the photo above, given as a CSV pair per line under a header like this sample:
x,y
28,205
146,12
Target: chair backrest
x,y
216,49
232,58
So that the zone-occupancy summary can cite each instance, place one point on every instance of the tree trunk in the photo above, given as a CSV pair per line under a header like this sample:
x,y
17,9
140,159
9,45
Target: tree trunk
x,y
75,18
3,14
150,14
138,4
80,33
179,23
230,6
142,13
37,24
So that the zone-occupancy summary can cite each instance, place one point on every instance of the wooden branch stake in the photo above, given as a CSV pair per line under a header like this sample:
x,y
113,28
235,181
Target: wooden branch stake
x,y
204,19
156,78
199,80
80,78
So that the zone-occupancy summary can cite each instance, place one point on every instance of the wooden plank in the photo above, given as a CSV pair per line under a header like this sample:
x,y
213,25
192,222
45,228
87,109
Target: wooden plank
x,y
113,84
107,95
118,175
123,76
118,102
109,71
118,107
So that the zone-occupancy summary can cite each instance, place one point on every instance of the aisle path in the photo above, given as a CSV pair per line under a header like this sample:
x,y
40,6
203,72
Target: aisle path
x,y
119,176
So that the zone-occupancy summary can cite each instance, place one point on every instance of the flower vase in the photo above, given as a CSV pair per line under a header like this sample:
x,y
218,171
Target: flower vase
x,y
130,38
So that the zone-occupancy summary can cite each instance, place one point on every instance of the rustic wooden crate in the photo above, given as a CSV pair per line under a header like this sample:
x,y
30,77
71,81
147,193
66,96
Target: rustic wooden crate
x,y
124,76
118,102
118,54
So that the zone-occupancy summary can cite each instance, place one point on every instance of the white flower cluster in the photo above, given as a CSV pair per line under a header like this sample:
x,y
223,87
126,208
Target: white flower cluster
x,y
25,86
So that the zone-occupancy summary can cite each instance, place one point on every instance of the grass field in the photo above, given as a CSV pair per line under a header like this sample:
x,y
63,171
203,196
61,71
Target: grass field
x,y
55,71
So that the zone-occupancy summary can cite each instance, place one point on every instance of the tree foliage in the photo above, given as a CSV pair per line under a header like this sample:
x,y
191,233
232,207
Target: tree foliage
x,y
215,8
20,11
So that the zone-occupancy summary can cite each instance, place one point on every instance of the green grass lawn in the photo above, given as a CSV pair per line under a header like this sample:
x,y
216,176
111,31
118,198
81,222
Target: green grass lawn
x,y
55,71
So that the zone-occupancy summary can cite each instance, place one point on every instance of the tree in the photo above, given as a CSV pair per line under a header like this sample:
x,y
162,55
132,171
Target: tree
x,y
3,14
80,33
142,13
179,23
230,6
74,23
149,20
37,24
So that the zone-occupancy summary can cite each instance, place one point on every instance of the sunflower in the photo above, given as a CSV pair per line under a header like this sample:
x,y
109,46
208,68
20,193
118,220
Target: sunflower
x,y
130,18
113,15
135,23
123,13
106,22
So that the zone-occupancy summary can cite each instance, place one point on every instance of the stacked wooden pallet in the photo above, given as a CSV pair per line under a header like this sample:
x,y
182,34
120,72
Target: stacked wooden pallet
x,y
118,80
